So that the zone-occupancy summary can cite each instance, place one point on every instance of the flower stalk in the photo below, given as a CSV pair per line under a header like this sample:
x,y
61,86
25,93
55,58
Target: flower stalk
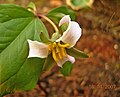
x,y
51,22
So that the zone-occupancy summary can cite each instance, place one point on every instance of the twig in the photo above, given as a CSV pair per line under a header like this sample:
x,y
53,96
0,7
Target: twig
x,y
110,20
45,80
43,89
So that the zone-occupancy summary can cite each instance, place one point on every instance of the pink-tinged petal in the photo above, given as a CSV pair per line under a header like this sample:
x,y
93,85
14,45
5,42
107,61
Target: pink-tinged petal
x,y
37,49
68,58
72,34
65,19
71,59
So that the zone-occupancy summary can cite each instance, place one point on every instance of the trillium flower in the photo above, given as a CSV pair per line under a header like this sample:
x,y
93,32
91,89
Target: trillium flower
x,y
59,46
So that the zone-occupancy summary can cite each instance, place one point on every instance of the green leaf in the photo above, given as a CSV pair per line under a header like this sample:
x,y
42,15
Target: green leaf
x,y
9,12
17,72
25,79
44,38
67,68
64,27
57,13
76,53
32,6
43,29
79,4
48,63
55,36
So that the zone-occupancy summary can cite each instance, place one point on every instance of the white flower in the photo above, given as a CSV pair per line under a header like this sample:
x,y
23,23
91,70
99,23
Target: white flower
x,y
58,47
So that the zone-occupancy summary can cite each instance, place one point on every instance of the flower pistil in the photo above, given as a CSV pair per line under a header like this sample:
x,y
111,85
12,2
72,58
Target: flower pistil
x,y
58,50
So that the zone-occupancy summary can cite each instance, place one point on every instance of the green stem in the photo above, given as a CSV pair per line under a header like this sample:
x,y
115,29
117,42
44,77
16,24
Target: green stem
x,y
51,22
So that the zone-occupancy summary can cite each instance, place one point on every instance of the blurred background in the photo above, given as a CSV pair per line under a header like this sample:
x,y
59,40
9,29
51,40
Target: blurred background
x,y
97,76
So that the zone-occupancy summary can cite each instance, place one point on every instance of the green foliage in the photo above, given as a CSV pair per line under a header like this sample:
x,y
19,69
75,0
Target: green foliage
x,y
57,13
64,27
44,38
55,36
79,4
32,6
48,63
76,53
67,68
17,72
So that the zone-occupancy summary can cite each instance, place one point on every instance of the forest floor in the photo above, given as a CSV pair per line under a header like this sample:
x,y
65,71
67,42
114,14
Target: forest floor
x,y
98,75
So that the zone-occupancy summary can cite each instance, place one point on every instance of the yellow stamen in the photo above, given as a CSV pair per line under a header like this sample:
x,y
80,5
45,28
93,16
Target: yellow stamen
x,y
63,45
54,44
54,55
63,52
58,50
59,53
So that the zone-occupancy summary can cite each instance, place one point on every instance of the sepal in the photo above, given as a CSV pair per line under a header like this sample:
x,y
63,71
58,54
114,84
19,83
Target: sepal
x,y
66,68
76,53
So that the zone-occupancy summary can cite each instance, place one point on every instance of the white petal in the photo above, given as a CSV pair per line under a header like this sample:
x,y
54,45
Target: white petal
x,y
71,59
72,34
68,28
68,58
37,49
65,19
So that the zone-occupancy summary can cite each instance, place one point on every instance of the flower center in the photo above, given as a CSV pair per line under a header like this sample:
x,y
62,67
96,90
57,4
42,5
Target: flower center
x,y
58,50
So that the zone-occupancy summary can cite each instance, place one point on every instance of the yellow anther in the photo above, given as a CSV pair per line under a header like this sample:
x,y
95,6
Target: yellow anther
x,y
63,45
59,53
54,44
63,52
54,54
